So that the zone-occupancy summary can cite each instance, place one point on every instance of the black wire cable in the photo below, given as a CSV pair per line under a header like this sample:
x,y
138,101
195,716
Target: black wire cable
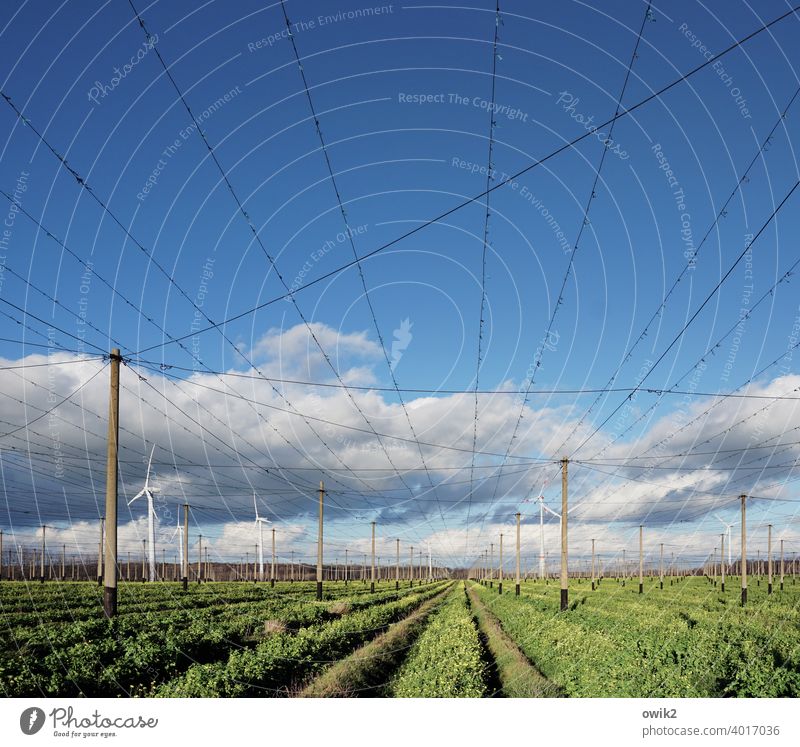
x,y
503,182
694,316
485,244
743,179
351,241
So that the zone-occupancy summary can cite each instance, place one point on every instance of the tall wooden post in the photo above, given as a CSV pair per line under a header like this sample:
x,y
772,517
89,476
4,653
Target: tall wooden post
x,y
100,580
411,566
564,558
593,573
722,561
516,590
769,558
744,549
661,568
199,558
372,576
500,568
272,570
144,559
491,565
346,567
111,567
41,561
185,540
63,561
319,541
713,565
781,565
397,566
641,559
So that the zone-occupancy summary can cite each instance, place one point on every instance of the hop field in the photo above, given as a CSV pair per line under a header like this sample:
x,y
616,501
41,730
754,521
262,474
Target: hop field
x,y
441,639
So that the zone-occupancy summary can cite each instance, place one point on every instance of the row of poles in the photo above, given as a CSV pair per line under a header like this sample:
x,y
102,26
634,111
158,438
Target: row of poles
x,y
486,565
108,571
110,567
41,564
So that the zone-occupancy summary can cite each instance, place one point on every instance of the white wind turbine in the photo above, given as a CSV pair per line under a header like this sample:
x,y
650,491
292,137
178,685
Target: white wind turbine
x,y
148,491
179,532
259,522
542,509
728,532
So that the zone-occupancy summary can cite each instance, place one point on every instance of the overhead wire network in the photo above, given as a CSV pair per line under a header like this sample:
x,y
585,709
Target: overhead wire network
x,y
244,454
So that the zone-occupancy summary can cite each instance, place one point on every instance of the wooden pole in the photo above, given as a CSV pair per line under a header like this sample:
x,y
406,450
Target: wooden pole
x,y
769,558
781,587
372,577
593,574
397,566
411,566
641,558
272,570
319,541
500,568
714,565
63,561
564,558
100,579
112,481
144,560
346,567
41,561
661,568
516,591
491,565
185,540
744,549
722,561
199,558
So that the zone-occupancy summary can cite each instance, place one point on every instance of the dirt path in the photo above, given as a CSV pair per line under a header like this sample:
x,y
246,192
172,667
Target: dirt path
x,y
518,677
367,670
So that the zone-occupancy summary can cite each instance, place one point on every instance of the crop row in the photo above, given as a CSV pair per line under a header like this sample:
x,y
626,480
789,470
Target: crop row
x,y
281,662
686,642
446,661
133,652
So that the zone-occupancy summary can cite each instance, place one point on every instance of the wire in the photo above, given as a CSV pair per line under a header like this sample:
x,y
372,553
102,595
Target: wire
x,y
351,241
503,182
694,316
55,406
485,244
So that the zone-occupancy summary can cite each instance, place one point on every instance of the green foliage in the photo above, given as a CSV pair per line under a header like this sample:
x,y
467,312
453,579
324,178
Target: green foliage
x,y
160,632
445,662
684,641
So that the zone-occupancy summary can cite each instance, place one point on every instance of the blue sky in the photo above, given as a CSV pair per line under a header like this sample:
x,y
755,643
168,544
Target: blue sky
x,y
402,93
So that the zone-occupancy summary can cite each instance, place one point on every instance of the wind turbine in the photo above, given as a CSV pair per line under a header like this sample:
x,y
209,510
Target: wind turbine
x,y
148,491
259,522
542,509
179,532
728,532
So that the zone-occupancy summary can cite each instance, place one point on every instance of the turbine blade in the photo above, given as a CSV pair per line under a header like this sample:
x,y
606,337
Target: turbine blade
x,y
137,496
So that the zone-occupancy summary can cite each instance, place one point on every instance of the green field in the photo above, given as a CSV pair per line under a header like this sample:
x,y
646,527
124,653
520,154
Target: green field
x,y
444,639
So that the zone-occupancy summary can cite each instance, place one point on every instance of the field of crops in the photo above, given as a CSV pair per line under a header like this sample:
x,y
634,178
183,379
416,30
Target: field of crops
x,y
445,639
